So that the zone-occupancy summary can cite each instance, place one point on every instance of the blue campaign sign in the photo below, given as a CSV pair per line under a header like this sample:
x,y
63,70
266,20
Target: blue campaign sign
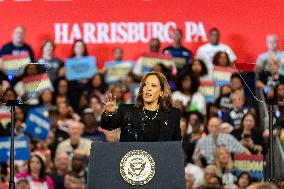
x,y
37,124
80,68
22,151
118,70
42,110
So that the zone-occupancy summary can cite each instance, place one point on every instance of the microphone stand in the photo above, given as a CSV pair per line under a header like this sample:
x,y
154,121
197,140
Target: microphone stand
x,y
12,104
271,103
134,130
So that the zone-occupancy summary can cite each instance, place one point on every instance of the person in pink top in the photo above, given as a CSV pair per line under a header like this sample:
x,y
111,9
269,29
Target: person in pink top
x,y
36,174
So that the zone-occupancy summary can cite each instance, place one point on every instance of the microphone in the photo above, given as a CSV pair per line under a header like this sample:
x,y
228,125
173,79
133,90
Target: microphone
x,y
142,124
136,130
141,127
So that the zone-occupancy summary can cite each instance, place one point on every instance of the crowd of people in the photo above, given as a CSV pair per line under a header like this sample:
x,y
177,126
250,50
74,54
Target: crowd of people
x,y
212,131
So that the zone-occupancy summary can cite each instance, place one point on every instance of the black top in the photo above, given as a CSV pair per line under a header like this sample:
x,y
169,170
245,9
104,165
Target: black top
x,y
165,127
152,127
188,147
182,52
58,180
224,102
11,49
50,66
266,78
95,136
256,136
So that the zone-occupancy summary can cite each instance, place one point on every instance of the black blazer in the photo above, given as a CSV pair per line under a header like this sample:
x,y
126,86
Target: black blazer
x,y
169,122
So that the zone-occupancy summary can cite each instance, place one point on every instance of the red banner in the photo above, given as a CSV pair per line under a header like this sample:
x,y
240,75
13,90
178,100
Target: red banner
x,y
130,24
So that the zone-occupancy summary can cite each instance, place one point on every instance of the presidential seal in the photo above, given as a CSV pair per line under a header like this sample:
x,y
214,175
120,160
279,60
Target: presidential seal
x,y
137,167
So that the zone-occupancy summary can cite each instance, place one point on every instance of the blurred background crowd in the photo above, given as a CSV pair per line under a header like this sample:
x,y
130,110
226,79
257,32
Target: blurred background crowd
x,y
224,126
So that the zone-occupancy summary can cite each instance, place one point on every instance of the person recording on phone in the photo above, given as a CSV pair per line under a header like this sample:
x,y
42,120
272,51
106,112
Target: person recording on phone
x,y
151,118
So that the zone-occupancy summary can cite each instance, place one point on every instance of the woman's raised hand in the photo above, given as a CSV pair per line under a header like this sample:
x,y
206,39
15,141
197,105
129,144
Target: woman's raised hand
x,y
110,103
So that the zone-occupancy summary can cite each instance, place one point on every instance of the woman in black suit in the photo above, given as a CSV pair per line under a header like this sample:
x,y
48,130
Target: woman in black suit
x,y
151,118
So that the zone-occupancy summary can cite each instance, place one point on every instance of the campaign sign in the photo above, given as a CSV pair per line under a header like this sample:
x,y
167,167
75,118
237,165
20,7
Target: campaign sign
x,y
207,89
12,63
179,61
222,75
253,164
148,60
21,145
118,70
5,118
42,110
37,124
35,84
80,68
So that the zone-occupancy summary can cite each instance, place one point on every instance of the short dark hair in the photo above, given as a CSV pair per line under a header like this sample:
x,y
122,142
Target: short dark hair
x,y
165,70
214,29
217,56
199,115
194,82
236,76
244,173
204,70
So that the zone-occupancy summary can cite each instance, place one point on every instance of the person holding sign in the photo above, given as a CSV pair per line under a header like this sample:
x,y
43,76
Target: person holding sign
x,y
151,118
17,45
146,62
207,51
52,63
117,69
188,93
181,55
250,135
222,59
79,68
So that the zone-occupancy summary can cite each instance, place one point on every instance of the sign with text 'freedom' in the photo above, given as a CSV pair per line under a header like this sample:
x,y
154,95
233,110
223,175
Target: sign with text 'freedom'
x,y
253,164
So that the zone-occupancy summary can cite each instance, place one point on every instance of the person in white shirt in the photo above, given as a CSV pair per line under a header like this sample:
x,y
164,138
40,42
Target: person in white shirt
x,y
207,51
75,141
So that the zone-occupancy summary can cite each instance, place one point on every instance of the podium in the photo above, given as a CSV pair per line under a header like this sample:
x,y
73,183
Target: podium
x,y
143,165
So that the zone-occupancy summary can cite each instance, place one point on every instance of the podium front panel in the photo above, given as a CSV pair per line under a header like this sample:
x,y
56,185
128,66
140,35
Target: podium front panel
x,y
104,165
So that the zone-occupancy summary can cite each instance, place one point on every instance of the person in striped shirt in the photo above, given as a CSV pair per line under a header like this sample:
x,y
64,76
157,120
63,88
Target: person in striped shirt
x,y
205,147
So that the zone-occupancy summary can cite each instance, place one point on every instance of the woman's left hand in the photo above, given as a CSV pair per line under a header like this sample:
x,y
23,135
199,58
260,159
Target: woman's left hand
x,y
247,142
